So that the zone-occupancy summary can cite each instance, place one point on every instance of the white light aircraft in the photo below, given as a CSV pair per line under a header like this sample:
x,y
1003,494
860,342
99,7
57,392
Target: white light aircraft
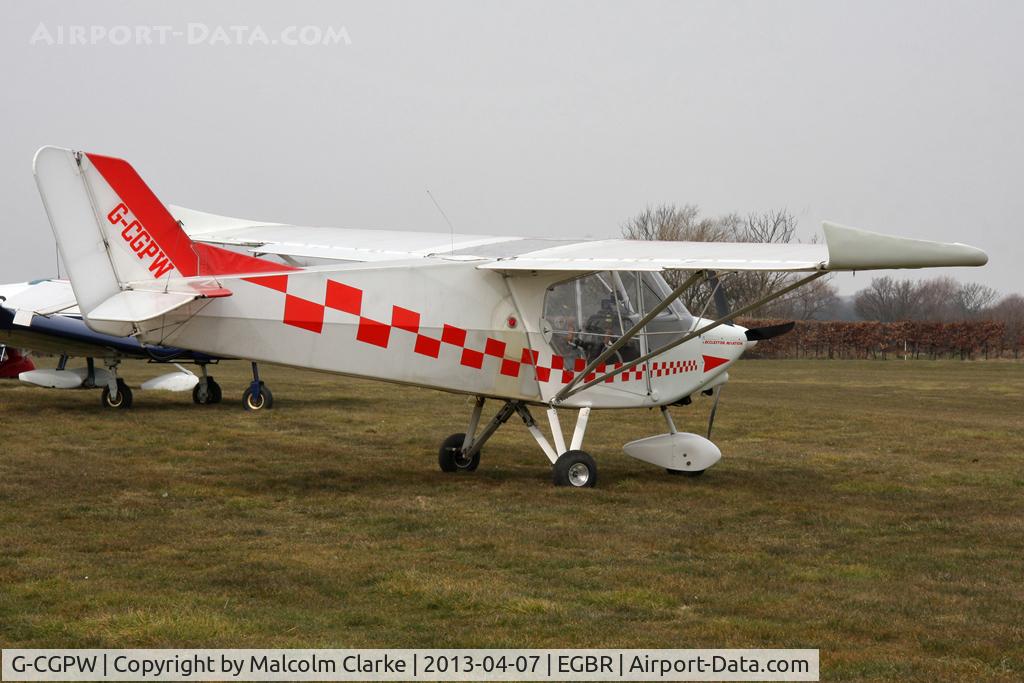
x,y
43,317
555,324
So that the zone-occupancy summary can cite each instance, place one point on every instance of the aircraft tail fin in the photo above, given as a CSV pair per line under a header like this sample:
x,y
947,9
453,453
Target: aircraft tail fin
x,y
114,235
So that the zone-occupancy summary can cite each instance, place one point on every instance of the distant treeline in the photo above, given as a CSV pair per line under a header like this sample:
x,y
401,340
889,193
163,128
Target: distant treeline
x,y
915,339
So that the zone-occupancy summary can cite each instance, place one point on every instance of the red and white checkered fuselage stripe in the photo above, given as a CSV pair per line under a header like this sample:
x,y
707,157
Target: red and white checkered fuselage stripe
x,y
309,315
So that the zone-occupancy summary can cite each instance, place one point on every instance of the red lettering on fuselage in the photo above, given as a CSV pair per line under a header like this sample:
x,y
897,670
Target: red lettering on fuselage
x,y
140,241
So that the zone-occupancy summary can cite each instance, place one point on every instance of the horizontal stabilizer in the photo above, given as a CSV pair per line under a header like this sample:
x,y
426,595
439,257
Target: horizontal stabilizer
x,y
132,306
43,298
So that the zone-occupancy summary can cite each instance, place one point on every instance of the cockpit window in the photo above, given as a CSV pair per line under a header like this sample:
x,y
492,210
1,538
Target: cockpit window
x,y
586,315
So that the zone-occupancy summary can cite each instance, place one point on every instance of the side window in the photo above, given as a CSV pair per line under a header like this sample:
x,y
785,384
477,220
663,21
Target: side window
x,y
584,316
561,317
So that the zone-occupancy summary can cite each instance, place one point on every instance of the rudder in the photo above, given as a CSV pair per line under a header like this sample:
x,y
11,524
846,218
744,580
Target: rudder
x,y
112,230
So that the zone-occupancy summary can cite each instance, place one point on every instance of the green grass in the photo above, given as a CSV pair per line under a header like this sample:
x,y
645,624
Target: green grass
x,y
874,510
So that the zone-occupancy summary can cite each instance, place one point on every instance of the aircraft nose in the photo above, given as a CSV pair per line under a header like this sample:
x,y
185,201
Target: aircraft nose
x,y
742,335
756,334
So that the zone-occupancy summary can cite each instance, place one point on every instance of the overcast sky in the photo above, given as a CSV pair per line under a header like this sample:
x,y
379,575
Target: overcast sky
x,y
540,119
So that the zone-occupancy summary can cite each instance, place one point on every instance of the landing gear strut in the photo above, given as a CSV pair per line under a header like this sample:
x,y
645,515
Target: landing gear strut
x,y
461,452
116,394
571,467
257,396
207,392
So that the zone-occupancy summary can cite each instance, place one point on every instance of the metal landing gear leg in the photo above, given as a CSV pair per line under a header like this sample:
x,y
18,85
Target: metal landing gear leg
x,y
574,467
116,394
461,452
207,392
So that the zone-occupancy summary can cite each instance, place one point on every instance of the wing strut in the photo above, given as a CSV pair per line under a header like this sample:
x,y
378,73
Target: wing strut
x,y
630,333
562,395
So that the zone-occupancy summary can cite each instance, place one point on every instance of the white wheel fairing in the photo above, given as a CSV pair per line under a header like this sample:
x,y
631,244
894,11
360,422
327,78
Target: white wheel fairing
x,y
683,451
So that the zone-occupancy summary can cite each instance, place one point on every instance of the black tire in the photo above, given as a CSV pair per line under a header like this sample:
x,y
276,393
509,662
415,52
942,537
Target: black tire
x,y
450,457
576,469
264,400
200,397
124,397
210,396
686,473
215,392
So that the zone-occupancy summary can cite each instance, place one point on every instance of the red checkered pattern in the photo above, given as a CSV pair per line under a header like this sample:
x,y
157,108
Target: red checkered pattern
x,y
672,367
309,315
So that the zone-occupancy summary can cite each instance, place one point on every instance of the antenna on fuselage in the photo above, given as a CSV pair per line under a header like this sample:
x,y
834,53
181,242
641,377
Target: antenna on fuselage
x,y
451,227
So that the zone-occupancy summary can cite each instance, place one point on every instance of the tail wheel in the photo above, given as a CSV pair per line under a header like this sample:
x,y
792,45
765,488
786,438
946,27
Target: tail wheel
x,y
262,400
451,458
576,469
123,400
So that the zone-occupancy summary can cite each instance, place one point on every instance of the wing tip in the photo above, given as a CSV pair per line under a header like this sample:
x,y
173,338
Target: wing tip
x,y
858,249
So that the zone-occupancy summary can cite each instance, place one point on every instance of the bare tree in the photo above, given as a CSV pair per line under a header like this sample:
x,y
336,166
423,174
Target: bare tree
x,y
778,227
1010,312
746,287
811,302
671,223
888,300
936,298
972,298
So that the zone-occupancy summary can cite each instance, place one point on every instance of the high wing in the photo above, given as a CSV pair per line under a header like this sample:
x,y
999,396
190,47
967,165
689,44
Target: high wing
x,y
299,243
844,249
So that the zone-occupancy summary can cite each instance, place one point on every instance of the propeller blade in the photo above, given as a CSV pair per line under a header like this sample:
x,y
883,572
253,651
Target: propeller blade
x,y
718,292
714,408
762,333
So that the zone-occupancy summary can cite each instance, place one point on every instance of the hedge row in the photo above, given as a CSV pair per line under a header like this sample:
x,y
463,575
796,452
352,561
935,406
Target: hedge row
x,y
912,339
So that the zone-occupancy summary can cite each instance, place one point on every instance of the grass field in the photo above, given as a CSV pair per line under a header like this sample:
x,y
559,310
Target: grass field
x,y
874,510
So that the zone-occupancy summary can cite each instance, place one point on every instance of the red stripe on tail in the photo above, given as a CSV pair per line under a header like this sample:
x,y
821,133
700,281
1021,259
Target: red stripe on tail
x,y
189,258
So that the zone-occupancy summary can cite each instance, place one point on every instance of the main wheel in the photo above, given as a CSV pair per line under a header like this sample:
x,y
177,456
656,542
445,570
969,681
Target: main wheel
x,y
450,456
264,400
207,395
123,400
215,393
576,469
686,473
